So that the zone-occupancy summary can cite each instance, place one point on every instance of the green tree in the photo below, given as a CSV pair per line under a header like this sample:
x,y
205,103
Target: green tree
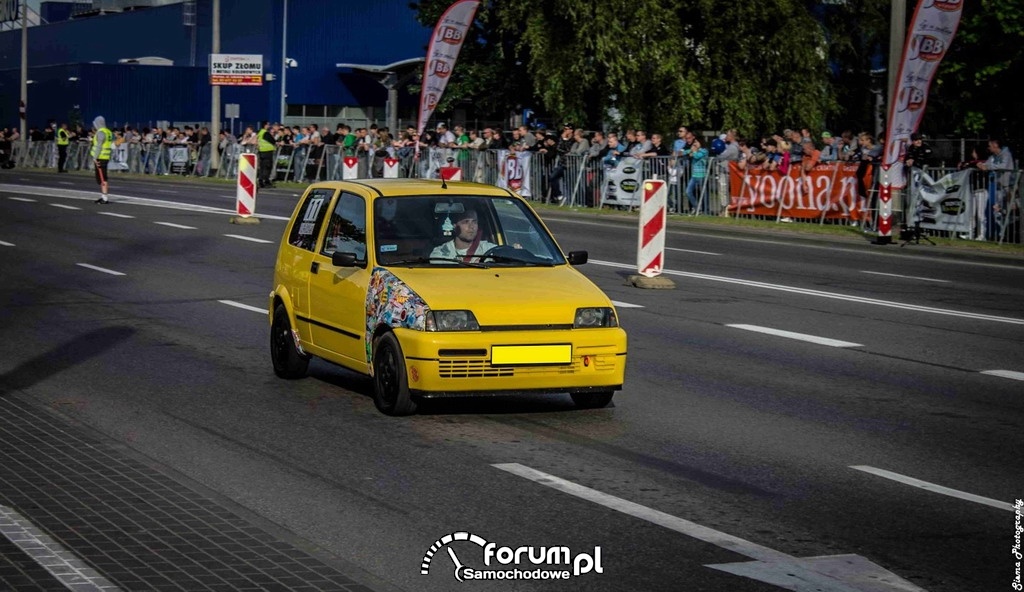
x,y
973,93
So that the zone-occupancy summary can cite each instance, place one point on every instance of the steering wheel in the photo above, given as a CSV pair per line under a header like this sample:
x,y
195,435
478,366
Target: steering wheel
x,y
509,252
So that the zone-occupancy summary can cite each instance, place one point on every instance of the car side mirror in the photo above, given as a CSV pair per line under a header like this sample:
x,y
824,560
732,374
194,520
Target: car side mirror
x,y
577,257
339,259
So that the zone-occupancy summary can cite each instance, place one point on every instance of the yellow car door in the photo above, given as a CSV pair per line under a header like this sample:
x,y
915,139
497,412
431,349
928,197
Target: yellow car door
x,y
337,293
295,257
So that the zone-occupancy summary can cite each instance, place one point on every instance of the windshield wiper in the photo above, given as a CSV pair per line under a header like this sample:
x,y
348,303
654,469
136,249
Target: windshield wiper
x,y
421,260
506,259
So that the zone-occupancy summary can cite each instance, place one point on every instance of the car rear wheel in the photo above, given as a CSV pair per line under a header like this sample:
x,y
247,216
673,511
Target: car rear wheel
x,y
289,362
595,400
390,383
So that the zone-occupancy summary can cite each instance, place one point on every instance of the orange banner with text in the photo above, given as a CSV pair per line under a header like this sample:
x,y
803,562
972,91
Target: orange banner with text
x,y
830,188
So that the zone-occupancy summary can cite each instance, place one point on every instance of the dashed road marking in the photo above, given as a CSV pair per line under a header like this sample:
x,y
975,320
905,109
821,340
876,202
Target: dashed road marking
x,y
907,277
244,306
823,294
6,244
248,238
692,251
626,304
115,214
25,199
933,487
797,336
101,269
1005,374
173,225
51,555
65,207
65,183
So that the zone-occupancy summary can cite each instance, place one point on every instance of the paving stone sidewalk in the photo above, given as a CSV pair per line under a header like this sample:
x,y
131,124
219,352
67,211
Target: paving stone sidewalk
x,y
121,523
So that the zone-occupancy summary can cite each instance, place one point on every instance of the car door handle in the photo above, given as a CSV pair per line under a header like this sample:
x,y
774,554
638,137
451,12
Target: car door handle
x,y
314,267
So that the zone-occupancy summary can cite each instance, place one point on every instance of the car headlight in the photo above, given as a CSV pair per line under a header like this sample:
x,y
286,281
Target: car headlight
x,y
451,320
602,316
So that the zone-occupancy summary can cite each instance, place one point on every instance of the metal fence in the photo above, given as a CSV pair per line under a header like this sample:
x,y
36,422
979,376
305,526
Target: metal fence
x,y
573,180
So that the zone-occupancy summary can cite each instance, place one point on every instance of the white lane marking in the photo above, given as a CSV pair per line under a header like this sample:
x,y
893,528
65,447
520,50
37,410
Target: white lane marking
x,y
823,294
173,225
907,277
65,183
933,487
22,199
703,533
103,269
114,214
691,251
248,238
626,304
797,336
244,306
51,555
1005,374
783,240
830,573
165,191
126,199
62,206
228,196
6,244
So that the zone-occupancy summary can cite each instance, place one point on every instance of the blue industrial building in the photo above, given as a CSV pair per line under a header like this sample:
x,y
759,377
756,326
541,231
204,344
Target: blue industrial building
x,y
93,58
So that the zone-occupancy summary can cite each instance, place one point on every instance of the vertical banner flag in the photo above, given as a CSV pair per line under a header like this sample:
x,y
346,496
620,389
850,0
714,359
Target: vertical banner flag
x,y
443,51
931,32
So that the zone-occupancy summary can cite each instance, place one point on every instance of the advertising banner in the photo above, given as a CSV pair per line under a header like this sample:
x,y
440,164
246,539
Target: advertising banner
x,y
443,51
514,172
931,32
622,185
829,189
943,204
236,69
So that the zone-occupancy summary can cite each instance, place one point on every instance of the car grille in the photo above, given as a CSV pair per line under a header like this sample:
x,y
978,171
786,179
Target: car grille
x,y
482,368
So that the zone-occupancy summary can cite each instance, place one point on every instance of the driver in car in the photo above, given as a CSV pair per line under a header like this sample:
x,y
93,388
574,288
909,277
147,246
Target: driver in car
x,y
467,243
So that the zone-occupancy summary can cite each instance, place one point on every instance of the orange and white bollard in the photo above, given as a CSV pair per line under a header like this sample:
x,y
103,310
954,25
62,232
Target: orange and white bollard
x,y
650,250
245,202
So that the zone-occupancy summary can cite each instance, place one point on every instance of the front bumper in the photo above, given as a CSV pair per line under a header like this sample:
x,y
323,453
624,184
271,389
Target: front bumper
x,y
460,364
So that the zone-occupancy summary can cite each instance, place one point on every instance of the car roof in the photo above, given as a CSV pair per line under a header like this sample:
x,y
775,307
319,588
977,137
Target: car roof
x,y
413,187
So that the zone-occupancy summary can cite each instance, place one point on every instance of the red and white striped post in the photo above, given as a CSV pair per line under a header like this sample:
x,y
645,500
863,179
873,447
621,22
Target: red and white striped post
x,y
245,202
650,251
650,248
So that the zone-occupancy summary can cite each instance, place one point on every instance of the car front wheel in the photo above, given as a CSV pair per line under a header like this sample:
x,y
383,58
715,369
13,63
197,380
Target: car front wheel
x,y
591,400
390,383
289,362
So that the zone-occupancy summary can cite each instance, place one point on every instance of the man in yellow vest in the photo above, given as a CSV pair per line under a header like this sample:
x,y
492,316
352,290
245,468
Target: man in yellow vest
x,y
267,148
102,143
63,140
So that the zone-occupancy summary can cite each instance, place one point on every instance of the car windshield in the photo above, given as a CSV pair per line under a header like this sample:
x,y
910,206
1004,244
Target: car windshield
x,y
460,231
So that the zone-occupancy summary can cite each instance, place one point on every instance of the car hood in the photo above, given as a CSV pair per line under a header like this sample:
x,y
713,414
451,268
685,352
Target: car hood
x,y
506,296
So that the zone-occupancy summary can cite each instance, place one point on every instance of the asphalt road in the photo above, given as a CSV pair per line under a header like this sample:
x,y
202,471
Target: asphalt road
x,y
789,399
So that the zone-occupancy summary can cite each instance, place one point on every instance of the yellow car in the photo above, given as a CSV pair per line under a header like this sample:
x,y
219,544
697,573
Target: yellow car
x,y
439,289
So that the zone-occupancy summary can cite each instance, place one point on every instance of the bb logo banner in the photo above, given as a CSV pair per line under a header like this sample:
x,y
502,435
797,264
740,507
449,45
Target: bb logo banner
x,y
488,561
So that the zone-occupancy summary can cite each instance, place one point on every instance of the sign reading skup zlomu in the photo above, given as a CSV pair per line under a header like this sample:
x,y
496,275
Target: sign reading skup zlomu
x,y
236,69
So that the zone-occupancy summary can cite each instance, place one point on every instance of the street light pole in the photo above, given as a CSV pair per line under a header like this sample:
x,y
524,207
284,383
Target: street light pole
x,y
215,106
24,77
284,63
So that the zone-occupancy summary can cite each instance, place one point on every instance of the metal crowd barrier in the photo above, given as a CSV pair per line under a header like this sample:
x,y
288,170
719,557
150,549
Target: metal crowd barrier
x,y
573,180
